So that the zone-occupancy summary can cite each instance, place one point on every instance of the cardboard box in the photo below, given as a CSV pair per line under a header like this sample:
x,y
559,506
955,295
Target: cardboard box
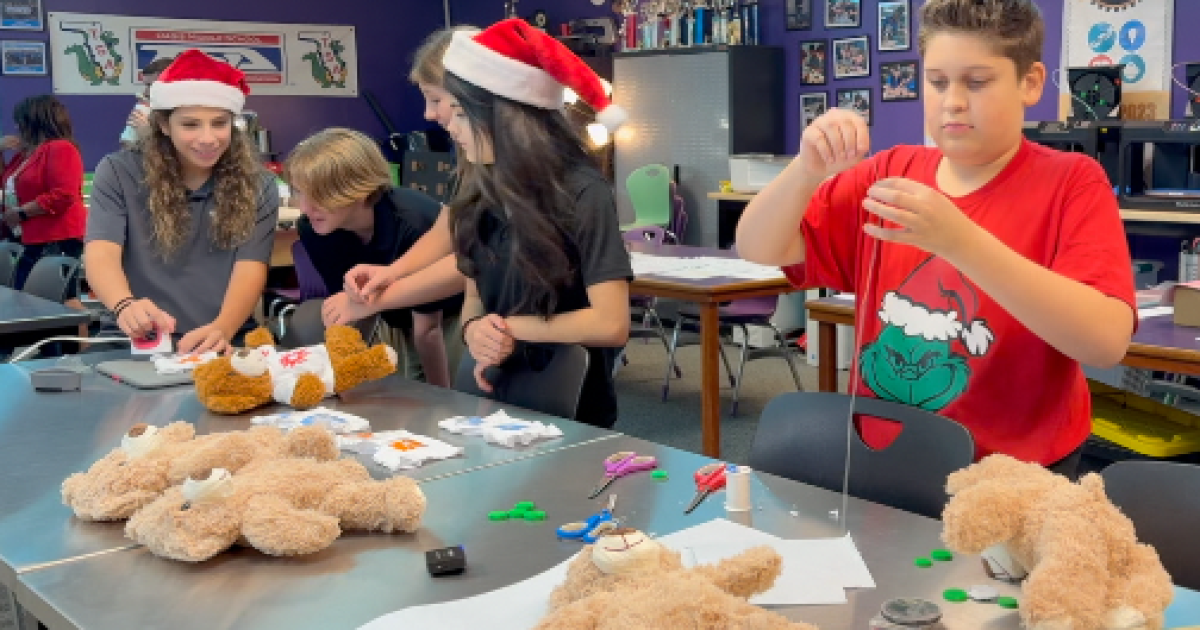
x,y
1187,304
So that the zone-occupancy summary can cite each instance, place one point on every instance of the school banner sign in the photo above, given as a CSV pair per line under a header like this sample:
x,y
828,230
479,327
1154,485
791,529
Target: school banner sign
x,y
105,54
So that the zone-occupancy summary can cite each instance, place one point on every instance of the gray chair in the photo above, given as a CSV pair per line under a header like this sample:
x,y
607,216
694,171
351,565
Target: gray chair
x,y
803,436
9,253
1163,501
543,377
303,326
52,277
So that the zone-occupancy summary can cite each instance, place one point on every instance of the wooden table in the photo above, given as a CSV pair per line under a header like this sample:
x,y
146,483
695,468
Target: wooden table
x,y
1158,343
708,293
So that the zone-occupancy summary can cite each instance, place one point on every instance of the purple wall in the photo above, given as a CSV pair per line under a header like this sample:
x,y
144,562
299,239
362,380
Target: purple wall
x,y
386,36
484,12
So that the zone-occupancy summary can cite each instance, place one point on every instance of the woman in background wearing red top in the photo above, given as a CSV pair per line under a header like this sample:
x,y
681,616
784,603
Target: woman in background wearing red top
x,y
43,185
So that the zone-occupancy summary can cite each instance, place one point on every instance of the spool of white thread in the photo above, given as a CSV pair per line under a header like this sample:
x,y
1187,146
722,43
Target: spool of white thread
x,y
737,488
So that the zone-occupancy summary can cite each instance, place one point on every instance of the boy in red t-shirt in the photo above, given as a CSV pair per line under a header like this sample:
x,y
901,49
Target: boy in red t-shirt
x,y
986,269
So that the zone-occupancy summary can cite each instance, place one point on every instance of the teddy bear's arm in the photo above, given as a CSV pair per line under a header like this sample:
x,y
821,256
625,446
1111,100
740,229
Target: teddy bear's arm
x,y
307,391
981,516
1068,588
750,573
275,527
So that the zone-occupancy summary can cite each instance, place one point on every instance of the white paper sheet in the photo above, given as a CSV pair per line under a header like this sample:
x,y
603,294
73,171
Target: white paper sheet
x,y
1155,311
817,569
701,267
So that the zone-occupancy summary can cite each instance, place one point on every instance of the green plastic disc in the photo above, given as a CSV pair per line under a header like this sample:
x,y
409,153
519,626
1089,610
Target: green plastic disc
x,y
955,595
498,516
1007,602
658,474
941,554
525,506
924,563
517,513
535,515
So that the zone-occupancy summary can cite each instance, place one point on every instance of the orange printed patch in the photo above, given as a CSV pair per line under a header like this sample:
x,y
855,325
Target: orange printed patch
x,y
407,445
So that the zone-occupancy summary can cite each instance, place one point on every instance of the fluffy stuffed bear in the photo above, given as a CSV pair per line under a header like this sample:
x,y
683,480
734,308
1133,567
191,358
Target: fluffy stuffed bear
x,y
626,580
1086,569
282,507
302,377
151,459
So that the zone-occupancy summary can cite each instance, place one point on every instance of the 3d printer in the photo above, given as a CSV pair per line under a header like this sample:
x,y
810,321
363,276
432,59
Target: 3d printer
x,y
1094,126
1160,160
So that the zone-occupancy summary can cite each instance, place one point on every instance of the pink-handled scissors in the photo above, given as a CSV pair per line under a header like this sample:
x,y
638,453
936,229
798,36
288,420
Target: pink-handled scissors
x,y
621,464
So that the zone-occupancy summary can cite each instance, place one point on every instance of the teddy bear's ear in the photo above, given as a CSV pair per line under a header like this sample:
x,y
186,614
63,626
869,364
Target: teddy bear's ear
x,y
260,336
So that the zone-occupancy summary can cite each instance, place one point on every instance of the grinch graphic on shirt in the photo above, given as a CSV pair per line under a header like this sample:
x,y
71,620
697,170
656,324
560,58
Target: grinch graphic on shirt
x,y
915,359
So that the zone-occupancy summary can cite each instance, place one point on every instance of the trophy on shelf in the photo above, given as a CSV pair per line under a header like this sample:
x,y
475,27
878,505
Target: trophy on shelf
x,y
673,10
649,23
628,35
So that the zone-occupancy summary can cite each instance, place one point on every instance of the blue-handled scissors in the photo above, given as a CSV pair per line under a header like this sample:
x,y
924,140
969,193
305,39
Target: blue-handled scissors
x,y
594,527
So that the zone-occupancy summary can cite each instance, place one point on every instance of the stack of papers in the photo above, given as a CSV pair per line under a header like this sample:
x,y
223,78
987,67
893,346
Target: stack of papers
x,y
499,428
333,421
398,450
701,267
814,572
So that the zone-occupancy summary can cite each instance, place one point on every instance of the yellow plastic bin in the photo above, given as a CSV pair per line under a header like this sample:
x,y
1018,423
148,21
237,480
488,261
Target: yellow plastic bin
x,y
1142,425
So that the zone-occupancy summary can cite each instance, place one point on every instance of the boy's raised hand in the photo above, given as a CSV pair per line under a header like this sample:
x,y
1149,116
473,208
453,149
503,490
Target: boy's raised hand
x,y
834,142
927,219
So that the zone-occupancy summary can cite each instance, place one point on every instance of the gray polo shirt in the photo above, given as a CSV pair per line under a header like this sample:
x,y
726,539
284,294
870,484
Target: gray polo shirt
x,y
191,287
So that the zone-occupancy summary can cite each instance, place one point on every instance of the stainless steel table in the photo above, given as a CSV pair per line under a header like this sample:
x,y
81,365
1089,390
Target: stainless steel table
x,y
363,577
24,316
44,437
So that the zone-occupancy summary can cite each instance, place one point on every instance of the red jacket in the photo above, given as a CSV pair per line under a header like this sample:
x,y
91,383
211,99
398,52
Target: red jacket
x,y
53,178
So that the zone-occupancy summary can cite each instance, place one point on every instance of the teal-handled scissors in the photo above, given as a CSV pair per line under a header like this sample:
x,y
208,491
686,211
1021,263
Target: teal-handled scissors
x,y
598,523
621,464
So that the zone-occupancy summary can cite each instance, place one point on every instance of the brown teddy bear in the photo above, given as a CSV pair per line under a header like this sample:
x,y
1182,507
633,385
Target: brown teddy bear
x,y
302,377
627,580
282,507
151,459
1086,569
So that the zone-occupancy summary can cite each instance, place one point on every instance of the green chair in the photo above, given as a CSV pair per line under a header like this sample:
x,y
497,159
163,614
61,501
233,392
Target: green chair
x,y
395,168
87,185
649,189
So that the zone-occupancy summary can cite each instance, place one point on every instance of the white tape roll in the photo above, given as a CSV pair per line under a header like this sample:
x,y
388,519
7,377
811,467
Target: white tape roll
x,y
737,488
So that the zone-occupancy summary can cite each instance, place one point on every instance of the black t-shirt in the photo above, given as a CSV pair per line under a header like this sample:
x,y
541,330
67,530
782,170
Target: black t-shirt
x,y
402,217
597,251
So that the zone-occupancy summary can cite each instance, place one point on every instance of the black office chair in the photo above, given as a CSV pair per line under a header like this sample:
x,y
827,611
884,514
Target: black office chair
x,y
52,277
1163,501
303,326
542,377
9,253
802,436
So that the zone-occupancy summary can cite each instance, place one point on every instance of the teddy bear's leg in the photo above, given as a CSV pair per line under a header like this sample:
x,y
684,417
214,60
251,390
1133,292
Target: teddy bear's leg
x,y
344,341
311,442
1139,599
393,505
308,392
352,370
1068,588
584,614
750,573
274,527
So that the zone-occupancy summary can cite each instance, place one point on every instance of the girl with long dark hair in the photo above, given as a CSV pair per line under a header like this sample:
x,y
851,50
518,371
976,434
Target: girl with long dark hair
x,y
181,227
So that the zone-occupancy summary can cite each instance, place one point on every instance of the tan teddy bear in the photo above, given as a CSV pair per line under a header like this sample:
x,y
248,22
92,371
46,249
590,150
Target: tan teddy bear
x,y
282,507
151,459
1086,569
627,580
301,377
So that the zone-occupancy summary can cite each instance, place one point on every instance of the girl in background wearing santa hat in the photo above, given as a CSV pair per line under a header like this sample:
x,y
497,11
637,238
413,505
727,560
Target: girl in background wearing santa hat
x,y
181,227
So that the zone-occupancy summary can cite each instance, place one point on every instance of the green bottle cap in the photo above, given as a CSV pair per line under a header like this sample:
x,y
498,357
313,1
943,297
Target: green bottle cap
x,y
941,554
535,515
955,595
499,515
517,513
659,474
924,563
1007,602
524,506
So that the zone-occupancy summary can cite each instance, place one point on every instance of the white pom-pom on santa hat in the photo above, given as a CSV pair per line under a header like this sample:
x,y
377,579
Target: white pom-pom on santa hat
x,y
196,80
519,62
937,303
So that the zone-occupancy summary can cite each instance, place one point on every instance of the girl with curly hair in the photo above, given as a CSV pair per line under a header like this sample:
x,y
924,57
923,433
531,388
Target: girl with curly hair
x,y
181,226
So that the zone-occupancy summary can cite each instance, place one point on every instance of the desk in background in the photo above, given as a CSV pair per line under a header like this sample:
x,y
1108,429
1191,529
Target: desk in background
x,y
709,293
26,318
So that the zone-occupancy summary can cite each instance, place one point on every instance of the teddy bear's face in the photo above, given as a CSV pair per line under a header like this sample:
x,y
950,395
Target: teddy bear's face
x,y
625,551
116,486
188,527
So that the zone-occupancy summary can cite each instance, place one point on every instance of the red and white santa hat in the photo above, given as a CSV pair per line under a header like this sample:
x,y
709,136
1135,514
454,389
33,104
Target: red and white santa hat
x,y
519,62
936,303
195,79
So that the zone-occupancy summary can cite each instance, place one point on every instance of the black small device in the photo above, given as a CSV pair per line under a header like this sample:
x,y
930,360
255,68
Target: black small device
x,y
446,561
56,380
1100,140
1192,71
1095,92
